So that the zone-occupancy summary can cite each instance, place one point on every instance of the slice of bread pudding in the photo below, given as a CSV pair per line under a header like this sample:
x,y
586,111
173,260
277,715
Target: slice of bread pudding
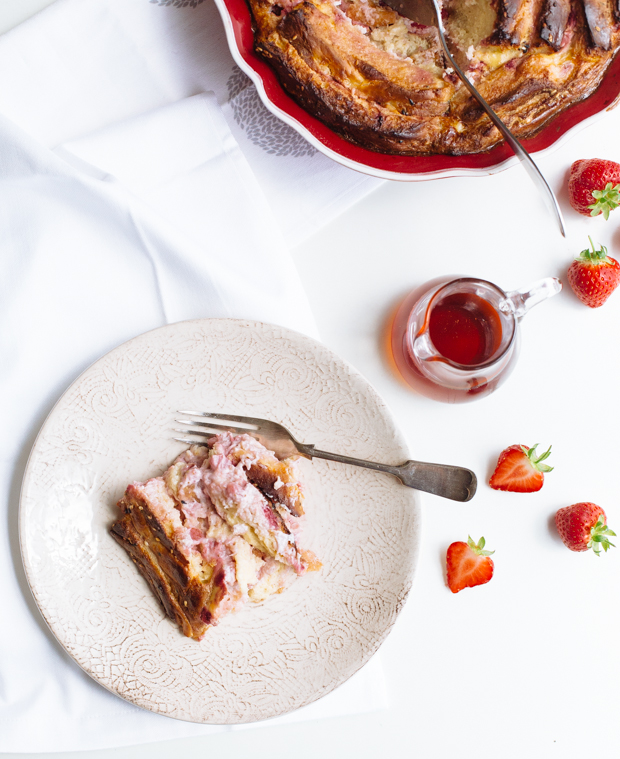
x,y
218,529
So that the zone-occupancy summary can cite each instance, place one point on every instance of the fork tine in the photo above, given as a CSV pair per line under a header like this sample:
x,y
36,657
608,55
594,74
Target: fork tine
x,y
187,441
212,426
250,420
192,423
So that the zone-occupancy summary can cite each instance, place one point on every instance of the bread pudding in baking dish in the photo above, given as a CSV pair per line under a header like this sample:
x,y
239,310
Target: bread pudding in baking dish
x,y
217,530
382,82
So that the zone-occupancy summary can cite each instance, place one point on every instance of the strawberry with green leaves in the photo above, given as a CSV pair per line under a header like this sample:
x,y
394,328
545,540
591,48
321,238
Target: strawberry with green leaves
x,y
594,276
594,186
583,526
520,470
468,565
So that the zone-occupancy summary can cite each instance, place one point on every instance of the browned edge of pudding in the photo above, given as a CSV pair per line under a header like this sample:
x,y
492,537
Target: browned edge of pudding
x,y
390,105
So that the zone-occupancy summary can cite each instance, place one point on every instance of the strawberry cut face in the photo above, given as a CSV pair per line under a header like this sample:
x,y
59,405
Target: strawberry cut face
x,y
520,470
468,565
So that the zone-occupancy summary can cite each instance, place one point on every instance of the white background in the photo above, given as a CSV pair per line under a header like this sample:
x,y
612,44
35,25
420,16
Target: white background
x,y
529,664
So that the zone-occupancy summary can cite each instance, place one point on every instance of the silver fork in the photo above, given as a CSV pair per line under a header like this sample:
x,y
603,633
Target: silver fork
x,y
452,482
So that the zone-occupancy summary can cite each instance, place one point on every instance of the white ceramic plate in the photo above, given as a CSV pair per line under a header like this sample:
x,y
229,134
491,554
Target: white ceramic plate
x,y
113,426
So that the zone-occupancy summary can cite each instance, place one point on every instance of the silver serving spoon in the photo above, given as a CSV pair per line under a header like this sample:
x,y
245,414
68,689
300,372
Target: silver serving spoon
x,y
428,12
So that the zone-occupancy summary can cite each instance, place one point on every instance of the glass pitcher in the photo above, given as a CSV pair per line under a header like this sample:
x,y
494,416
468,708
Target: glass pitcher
x,y
456,340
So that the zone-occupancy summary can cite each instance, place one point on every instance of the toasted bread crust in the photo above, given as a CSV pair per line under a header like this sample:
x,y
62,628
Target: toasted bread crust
x,y
265,478
183,596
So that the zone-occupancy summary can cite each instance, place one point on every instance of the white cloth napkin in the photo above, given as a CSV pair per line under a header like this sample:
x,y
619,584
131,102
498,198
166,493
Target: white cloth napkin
x,y
147,213
81,65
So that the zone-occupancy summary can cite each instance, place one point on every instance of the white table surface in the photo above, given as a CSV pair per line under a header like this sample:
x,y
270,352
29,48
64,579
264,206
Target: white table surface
x,y
528,665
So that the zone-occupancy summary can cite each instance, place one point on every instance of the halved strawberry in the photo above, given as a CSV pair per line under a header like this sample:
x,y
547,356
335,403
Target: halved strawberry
x,y
468,564
519,470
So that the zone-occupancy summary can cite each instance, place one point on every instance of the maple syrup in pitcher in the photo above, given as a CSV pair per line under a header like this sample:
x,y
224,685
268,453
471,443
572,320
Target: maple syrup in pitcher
x,y
465,328
456,340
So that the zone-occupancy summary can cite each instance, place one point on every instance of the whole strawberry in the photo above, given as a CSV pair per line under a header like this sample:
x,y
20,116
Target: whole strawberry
x,y
594,276
594,186
520,470
583,526
468,564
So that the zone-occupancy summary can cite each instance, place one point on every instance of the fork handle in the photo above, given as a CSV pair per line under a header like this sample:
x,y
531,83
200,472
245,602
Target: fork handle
x,y
452,482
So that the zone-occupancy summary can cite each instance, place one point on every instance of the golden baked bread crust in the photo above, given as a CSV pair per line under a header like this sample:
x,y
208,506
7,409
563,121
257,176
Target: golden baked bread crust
x,y
180,591
332,56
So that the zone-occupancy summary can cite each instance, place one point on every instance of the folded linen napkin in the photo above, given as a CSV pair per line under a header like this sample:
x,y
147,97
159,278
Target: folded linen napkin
x,y
79,66
88,262
135,226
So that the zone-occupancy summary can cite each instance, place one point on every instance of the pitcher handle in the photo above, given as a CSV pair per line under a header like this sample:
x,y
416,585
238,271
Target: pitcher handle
x,y
519,302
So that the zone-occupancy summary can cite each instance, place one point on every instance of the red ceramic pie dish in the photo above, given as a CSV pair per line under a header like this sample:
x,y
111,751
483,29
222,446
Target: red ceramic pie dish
x,y
237,21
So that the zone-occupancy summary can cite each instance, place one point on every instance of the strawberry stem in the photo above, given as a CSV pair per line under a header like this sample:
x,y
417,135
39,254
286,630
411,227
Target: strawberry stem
x,y
594,256
479,546
606,200
599,539
537,462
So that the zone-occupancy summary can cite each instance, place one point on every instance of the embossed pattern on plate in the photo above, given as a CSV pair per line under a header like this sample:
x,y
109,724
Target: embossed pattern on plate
x,y
112,426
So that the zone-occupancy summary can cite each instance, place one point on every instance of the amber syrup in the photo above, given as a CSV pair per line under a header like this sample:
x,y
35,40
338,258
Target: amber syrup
x,y
464,328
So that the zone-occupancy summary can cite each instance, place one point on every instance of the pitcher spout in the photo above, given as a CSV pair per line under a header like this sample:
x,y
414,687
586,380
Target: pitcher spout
x,y
423,349
519,302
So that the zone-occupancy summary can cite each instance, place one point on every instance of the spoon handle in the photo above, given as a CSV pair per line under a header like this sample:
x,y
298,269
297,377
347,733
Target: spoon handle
x,y
528,164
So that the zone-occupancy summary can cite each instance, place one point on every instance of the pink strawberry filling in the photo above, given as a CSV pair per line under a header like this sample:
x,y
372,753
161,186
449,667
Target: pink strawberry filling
x,y
215,513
